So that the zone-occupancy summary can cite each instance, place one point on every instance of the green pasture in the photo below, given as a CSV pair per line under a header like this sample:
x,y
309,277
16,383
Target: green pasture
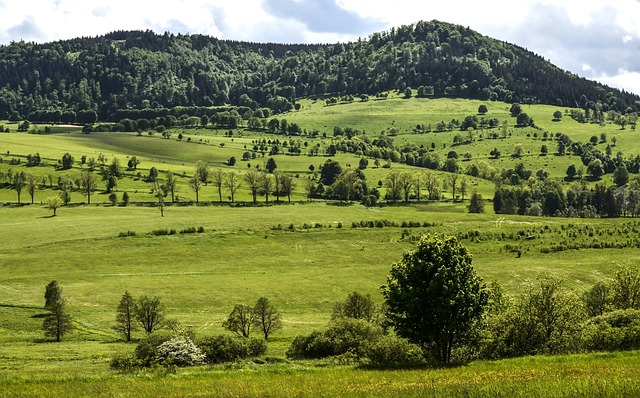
x,y
245,253
304,257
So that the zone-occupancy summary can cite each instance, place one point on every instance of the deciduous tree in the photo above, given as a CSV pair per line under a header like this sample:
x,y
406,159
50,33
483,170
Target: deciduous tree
x,y
266,317
434,296
149,312
240,320
126,316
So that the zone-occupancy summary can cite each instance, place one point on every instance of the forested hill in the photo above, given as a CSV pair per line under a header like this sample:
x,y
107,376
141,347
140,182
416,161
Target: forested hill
x,y
134,70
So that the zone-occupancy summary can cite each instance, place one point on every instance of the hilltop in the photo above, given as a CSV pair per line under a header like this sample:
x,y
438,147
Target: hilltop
x,y
142,70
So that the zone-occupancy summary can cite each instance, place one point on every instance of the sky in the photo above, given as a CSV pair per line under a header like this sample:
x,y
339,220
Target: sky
x,y
593,39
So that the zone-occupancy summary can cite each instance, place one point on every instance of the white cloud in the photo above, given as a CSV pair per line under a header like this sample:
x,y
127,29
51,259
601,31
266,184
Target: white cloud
x,y
624,80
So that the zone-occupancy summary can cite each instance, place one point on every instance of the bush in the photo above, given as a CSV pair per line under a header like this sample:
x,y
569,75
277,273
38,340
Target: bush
x,y
223,348
180,351
615,330
389,351
125,362
147,350
342,336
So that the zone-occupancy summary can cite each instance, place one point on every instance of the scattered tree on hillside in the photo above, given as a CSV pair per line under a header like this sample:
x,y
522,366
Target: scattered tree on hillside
x,y
476,203
57,323
232,183
150,313
271,165
254,180
217,177
88,183
357,306
433,296
126,316
266,317
170,185
240,320
196,184
53,203
66,162
32,185
202,172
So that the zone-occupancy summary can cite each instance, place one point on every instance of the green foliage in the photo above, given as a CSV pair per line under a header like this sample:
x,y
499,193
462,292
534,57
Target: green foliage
x,y
342,336
433,296
150,313
613,331
224,348
545,320
357,306
240,320
266,317
392,351
57,322
625,288
126,316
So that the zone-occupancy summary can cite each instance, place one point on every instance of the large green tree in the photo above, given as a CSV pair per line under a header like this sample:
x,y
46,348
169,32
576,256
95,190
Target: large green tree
x,y
433,295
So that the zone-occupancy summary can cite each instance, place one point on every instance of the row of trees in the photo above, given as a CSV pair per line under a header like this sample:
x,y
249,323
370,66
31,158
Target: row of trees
x,y
149,314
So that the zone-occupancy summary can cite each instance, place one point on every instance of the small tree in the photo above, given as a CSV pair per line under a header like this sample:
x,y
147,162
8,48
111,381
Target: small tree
x,y
266,317
125,199
171,185
271,165
232,183
32,185
217,177
196,184
149,312
240,320
88,184
482,109
53,203
557,116
476,203
357,306
67,161
57,323
125,316
434,296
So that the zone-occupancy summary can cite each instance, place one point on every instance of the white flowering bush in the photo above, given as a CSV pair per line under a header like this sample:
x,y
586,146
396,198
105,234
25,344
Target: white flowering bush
x,y
180,351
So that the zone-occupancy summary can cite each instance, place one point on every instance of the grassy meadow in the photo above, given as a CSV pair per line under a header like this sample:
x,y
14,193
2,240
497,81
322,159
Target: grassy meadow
x,y
304,257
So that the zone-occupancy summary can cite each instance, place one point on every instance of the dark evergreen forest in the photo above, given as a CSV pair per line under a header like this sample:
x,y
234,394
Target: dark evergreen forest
x,y
85,79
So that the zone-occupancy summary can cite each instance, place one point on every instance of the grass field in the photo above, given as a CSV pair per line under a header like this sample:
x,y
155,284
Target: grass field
x,y
304,257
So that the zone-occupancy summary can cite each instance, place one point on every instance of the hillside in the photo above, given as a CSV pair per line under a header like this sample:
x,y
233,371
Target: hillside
x,y
72,79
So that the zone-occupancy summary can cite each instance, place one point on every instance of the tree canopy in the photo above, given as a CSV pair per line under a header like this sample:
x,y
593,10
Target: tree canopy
x,y
434,296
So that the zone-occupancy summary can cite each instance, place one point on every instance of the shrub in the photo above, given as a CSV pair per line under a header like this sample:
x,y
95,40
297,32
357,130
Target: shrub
x,y
180,351
127,233
615,330
342,336
126,362
391,351
147,350
223,348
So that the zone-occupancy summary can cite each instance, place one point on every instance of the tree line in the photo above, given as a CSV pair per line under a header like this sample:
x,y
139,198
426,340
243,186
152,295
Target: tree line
x,y
79,79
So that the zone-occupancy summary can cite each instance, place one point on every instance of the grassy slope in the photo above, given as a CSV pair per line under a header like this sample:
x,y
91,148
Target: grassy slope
x,y
239,258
